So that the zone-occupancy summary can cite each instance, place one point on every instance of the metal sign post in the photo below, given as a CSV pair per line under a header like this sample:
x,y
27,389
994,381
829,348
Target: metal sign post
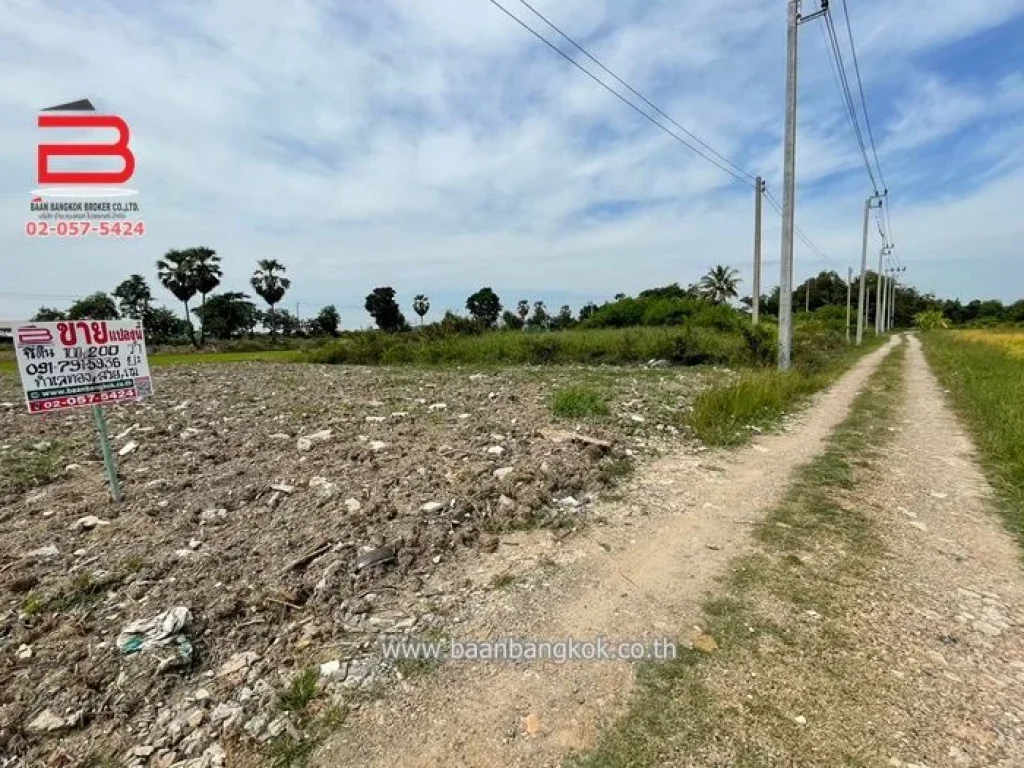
x,y
109,462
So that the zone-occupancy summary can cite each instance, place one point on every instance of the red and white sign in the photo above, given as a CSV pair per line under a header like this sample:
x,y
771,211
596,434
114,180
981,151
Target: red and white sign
x,y
74,363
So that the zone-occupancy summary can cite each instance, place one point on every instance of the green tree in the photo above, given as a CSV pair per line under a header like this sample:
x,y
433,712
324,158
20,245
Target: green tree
x,y
271,286
523,309
162,326
511,320
227,315
563,319
719,284
96,306
421,305
540,318
49,315
134,297
175,273
587,310
485,307
383,308
326,323
206,267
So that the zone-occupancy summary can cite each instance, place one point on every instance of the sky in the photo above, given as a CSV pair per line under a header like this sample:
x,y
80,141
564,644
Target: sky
x,y
437,147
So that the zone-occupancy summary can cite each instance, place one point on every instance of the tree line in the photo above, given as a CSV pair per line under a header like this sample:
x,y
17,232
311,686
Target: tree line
x,y
195,273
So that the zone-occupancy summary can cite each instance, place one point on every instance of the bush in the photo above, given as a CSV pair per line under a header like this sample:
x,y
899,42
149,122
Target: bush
x,y
578,402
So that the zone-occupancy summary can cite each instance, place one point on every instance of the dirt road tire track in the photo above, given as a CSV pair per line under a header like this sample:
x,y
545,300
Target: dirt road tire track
x,y
642,577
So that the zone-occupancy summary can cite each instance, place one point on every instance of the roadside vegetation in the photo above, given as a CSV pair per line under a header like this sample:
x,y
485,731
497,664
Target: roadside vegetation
x,y
722,700
984,374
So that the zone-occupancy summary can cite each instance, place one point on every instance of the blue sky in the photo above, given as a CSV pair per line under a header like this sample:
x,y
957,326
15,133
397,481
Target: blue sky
x,y
435,146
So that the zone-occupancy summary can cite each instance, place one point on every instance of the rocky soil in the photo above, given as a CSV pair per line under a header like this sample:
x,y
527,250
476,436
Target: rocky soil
x,y
277,521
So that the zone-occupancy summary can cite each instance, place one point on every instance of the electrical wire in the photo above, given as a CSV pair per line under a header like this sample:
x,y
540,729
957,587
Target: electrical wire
x,y
814,249
616,94
851,110
863,100
639,95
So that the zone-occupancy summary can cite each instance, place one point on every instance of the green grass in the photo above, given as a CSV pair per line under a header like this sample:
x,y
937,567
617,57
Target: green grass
x,y
723,415
733,706
23,467
578,402
301,691
986,384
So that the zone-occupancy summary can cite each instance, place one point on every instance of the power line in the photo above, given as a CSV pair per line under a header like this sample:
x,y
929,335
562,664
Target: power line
x,y
863,100
615,93
851,110
639,95
800,233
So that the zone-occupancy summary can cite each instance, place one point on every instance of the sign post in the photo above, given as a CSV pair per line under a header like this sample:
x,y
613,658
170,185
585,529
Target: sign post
x,y
109,463
71,364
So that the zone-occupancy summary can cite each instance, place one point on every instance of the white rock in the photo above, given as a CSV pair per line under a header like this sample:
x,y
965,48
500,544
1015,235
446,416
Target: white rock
x,y
87,523
463,416
50,550
435,559
438,407
495,450
375,419
46,721
280,436
800,720
502,472
353,505
24,651
375,404
145,750
432,506
637,418
330,668
505,502
213,516
378,445
399,415
128,448
283,488
568,501
306,443
477,376
237,663
188,433
201,694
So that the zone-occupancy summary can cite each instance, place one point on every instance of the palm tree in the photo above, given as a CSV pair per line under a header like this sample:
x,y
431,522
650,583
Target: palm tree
x,y
176,274
719,284
206,267
421,305
270,285
523,309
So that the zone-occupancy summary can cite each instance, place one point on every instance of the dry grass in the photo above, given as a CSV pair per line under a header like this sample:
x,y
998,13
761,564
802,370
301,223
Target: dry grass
x,y
1010,340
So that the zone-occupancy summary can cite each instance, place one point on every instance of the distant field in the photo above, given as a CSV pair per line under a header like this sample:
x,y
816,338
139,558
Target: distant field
x,y
1010,340
984,373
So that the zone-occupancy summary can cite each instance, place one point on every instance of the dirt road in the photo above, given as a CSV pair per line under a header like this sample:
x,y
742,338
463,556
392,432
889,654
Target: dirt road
x,y
642,577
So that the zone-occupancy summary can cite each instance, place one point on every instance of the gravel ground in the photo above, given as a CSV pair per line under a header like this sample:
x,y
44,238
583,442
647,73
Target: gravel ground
x,y
292,514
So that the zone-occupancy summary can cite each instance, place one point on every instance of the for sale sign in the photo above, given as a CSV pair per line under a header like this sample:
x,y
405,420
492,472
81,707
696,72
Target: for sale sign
x,y
70,364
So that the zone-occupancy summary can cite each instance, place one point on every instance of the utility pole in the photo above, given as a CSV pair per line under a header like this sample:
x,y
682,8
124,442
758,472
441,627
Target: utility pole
x,y
884,306
794,20
807,296
878,291
861,310
849,300
755,307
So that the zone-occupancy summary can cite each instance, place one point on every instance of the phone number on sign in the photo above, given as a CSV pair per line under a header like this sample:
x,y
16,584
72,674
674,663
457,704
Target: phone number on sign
x,y
75,401
84,228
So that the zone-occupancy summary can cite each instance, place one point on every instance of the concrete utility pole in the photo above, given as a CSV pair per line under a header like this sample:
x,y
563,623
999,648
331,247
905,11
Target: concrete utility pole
x,y
794,20
849,300
861,310
879,290
884,306
807,296
755,307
